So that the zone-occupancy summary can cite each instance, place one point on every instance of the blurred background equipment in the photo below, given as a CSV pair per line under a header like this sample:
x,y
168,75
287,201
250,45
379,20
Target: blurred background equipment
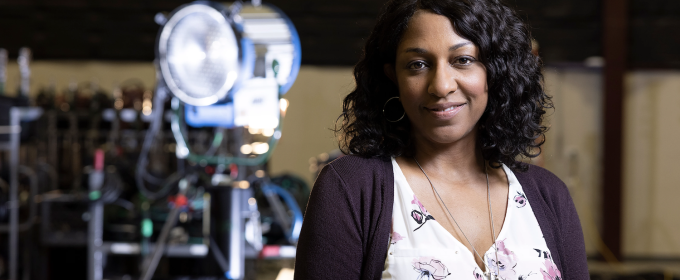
x,y
135,133
226,68
143,178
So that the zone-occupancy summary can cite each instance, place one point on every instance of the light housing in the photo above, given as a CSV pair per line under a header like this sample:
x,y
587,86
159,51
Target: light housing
x,y
207,50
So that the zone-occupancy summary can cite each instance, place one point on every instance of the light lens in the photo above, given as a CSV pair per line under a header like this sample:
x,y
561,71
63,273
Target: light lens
x,y
201,55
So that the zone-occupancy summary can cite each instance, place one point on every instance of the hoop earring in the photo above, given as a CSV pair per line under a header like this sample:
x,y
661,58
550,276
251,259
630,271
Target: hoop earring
x,y
388,100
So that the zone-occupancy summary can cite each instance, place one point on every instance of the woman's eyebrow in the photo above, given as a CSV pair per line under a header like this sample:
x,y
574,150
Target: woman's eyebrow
x,y
452,48
416,50
459,45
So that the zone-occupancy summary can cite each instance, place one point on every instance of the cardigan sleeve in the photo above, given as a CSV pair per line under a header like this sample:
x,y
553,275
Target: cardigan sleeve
x,y
571,235
330,244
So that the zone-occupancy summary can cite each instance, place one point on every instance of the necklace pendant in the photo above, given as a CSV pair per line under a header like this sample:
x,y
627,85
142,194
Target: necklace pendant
x,y
489,276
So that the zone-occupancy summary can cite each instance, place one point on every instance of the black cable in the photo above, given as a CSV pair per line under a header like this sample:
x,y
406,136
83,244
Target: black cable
x,y
33,207
168,186
142,175
152,179
219,257
112,187
213,148
151,262
125,204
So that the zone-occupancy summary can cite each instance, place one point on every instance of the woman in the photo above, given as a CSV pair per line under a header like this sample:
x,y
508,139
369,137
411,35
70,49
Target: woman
x,y
448,97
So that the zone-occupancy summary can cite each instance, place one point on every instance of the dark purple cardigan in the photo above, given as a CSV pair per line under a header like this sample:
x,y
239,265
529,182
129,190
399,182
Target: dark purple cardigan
x,y
347,225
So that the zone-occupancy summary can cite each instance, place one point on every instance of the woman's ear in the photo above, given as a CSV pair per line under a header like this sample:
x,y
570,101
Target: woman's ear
x,y
390,72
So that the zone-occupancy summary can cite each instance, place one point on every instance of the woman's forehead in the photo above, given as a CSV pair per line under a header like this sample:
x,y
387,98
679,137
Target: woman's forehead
x,y
429,31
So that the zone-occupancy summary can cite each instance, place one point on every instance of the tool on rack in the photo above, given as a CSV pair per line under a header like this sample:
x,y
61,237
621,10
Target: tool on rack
x,y
24,61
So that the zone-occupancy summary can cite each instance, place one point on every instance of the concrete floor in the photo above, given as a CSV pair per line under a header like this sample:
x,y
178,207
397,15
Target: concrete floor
x,y
647,270
270,269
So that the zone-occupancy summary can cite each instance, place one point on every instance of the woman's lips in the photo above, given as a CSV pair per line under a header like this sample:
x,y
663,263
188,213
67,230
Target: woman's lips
x,y
446,110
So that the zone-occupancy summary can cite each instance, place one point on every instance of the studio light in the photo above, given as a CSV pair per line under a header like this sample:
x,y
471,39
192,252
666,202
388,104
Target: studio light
x,y
207,51
226,66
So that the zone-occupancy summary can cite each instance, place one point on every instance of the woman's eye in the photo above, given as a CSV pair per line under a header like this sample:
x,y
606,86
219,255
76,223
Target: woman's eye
x,y
464,60
417,65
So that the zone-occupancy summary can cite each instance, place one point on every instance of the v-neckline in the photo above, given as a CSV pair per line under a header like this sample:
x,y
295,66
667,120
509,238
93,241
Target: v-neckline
x,y
455,240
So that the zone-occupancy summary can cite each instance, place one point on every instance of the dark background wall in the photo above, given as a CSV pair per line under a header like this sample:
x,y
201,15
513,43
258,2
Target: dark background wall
x,y
332,32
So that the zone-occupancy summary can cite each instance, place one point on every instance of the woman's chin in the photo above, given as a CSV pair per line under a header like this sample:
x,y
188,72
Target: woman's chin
x,y
445,136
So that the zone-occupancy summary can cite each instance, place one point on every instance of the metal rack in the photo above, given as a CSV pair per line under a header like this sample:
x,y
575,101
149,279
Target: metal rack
x,y
17,115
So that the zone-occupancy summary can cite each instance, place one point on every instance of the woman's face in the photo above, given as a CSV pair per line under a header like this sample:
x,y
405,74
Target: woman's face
x,y
442,85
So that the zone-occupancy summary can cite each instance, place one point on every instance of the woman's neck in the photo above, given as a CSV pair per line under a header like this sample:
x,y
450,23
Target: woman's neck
x,y
461,159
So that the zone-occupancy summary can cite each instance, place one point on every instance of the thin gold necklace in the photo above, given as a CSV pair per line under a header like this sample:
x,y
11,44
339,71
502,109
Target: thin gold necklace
x,y
487,274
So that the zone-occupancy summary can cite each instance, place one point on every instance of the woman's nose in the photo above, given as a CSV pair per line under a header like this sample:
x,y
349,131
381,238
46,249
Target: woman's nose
x,y
442,81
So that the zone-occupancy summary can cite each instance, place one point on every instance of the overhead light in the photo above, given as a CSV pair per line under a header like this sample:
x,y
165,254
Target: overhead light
x,y
246,149
260,148
267,132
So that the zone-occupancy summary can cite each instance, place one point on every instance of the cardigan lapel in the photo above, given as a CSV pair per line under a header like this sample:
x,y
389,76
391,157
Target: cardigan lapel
x,y
547,220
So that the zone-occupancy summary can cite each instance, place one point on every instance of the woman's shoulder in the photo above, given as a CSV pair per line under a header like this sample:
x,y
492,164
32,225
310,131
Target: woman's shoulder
x,y
357,172
355,182
538,174
354,167
544,183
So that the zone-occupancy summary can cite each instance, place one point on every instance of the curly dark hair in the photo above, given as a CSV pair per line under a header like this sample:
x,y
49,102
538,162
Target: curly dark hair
x,y
512,121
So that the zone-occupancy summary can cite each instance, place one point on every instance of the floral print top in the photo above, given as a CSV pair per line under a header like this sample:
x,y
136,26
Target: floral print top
x,y
420,248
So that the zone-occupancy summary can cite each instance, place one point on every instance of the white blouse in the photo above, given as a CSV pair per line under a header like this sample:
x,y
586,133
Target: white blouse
x,y
420,248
